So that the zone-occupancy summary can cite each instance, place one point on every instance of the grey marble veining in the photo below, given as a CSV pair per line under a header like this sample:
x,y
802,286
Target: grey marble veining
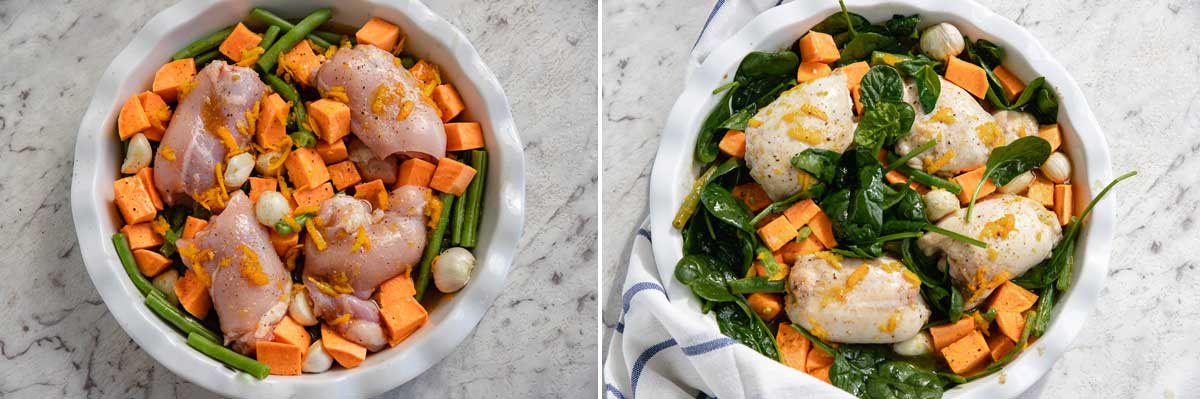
x,y
57,338
1138,63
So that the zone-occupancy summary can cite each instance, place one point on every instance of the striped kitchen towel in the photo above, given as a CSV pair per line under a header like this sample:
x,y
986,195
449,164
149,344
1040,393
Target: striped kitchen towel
x,y
725,19
663,350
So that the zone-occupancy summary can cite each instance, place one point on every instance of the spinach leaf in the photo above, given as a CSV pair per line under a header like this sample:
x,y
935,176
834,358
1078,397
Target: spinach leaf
x,y
861,45
1028,92
738,120
1044,106
726,245
929,87
853,365
737,321
856,211
706,142
883,124
836,23
727,208
903,27
881,83
901,380
909,66
761,64
956,305
707,278
986,52
760,91
1008,161
757,284
820,163
910,206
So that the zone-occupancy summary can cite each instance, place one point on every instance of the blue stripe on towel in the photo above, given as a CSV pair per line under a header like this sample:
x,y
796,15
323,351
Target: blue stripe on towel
x,y
609,388
711,14
705,347
639,287
621,327
645,233
641,361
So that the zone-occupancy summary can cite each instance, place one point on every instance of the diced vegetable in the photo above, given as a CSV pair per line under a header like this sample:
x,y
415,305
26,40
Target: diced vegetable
x,y
818,47
343,175
793,250
402,314
967,354
998,346
229,357
1063,203
281,242
415,172
272,122
332,152
172,76
239,41
855,72
753,195
157,112
461,136
452,176
810,71
288,331
267,61
332,119
1042,191
1012,298
1010,324
132,119
971,179
946,334
346,353
373,191
817,359
801,212
1011,83
822,228
193,294
793,347
133,200
777,232
142,236
1052,135
379,33
280,358
306,169
130,265
150,263
766,305
146,175
733,144
968,76
448,101
313,196
822,374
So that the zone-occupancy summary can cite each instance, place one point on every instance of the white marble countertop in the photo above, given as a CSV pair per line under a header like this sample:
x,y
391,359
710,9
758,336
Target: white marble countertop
x,y
58,340
1138,63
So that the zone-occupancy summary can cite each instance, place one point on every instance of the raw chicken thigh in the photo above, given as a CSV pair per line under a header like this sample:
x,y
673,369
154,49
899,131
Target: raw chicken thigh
x,y
185,165
1019,232
249,286
365,248
816,114
388,112
855,301
965,133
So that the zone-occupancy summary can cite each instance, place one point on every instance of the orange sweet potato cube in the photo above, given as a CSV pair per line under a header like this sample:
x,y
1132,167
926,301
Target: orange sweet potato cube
x,y
794,250
801,212
822,374
946,334
855,72
379,33
272,122
818,47
402,314
373,191
306,169
157,112
1011,83
132,118
1063,203
282,358
193,294
1052,135
793,347
462,136
141,236
810,71
238,41
313,196
753,195
1012,298
150,263
288,331
146,175
301,62
170,77
260,185
193,226
282,243
998,346
397,288
332,152
822,228
1042,191
332,119
344,174
766,305
1010,324
968,76
346,353
424,71
777,232
133,200
967,353
448,101
733,144
818,358
451,176
969,180
415,172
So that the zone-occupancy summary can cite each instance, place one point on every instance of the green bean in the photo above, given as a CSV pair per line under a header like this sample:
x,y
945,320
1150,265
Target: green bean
x,y
910,155
266,17
303,138
269,38
331,37
204,44
159,305
955,235
289,93
143,285
456,219
692,200
206,57
266,62
756,284
434,247
230,358
474,193
920,176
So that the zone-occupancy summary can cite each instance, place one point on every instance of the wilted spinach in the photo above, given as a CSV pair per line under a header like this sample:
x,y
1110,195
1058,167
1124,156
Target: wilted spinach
x,y
903,27
727,208
902,380
886,117
853,365
840,22
1008,161
737,321
706,277
764,64
820,163
760,77
856,210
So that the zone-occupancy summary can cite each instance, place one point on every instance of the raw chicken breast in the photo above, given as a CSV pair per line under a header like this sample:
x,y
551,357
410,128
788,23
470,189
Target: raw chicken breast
x,y
219,102
1019,231
250,288
396,241
965,133
378,88
850,300
816,114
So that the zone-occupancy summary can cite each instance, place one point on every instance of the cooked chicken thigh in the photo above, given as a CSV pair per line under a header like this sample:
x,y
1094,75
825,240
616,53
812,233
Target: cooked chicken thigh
x,y
185,165
1015,124
365,248
388,112
816,114
965,133
1019,232
249,286
855,301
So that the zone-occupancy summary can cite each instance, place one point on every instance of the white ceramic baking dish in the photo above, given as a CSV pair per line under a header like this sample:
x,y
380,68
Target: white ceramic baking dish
x,y
674,168
97,160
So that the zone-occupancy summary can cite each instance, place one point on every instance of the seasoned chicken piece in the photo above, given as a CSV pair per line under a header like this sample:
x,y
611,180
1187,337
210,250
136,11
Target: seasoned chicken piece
x,y
857,301
365,248
185,165
816,114
369,167
388,111
965,133
249,286
1016,124
1019,232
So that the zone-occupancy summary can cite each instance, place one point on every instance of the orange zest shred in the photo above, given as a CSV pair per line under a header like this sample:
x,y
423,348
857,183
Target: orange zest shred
x,y
160,225
227,140
251,269
310,208
405,109
167,152
340,319
315,234
324,287
361,240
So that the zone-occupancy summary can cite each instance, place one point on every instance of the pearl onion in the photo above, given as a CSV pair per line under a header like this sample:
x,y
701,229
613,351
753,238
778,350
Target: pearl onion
x,y
238,170
1018,184
942,41
918,345
317,360
271,208
300,309
263,164
939,203
165,282
1057,168
452,269
137,156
